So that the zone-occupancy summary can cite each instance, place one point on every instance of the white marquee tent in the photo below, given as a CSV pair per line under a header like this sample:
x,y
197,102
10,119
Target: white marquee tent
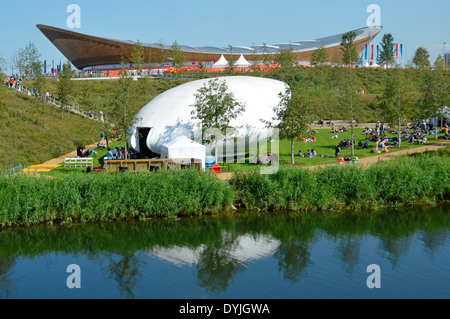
x,y
242,62
221,63
183,147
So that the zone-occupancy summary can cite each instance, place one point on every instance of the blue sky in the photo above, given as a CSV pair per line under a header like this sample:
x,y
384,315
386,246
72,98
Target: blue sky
x,y
220,23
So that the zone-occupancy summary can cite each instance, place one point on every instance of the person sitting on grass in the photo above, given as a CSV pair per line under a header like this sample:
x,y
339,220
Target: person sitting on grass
x,y
309,154
314,153
109,154
360,144
300,154
367,143
83,152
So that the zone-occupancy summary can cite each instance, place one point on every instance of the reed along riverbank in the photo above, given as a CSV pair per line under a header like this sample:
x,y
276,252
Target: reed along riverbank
x,y
91,197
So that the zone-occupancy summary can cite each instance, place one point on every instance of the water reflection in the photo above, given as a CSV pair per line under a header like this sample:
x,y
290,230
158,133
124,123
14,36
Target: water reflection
x,y
221,249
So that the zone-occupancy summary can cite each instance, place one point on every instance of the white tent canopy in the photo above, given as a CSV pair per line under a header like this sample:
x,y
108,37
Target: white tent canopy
x,y
183,147
242,62
222,63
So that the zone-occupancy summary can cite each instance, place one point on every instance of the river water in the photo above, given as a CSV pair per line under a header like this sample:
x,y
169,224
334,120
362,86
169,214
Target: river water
x,y
245,256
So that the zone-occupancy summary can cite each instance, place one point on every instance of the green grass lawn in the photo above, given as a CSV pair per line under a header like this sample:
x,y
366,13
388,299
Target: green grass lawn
x,y
323,145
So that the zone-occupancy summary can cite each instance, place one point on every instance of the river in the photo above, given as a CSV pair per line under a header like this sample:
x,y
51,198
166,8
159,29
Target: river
x,y
244,256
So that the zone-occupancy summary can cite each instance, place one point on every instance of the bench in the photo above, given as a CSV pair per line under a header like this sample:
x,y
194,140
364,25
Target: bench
x,y
78,162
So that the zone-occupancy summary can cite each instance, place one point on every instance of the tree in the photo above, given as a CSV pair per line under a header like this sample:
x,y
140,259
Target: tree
x,y
2,69
39,84
178,56
293,115
319,57
439,64
162,55
386,53
267,56
216,107
25,57
65,85
284,58
350,99
138,56
434,95
121,106
395,100
348,49
422,58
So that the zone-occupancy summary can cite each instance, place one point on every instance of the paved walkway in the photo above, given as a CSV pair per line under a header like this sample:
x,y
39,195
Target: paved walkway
x,y
368,161
53,163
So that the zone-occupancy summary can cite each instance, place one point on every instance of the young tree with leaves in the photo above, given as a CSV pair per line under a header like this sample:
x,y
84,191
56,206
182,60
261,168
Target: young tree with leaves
x,y
25,57
395,100
293,115
348,49
434,95
138,56
319,57
386,53
121,106
39,84
216,107
284,58
422,58
350,99
65,85
439,64
178,56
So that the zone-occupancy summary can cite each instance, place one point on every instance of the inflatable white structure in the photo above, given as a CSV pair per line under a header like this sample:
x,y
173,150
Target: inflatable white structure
x,y
168,116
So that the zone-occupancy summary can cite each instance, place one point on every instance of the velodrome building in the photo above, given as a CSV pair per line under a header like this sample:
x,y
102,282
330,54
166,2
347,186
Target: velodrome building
x,y
87,52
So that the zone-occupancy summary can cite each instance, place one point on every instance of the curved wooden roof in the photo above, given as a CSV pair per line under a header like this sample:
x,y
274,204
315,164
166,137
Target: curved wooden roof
x,y
87,51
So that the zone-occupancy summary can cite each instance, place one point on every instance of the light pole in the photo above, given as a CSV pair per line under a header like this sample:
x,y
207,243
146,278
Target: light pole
x,y
443,55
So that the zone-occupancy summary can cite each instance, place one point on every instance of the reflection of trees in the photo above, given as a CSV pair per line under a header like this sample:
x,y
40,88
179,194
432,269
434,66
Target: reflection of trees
x,y
5,281
125,272
396,247
293,259
216,267
347,250
434,239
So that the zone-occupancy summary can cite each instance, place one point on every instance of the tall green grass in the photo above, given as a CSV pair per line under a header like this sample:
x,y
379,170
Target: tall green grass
x,y
79,196
98,197
408,180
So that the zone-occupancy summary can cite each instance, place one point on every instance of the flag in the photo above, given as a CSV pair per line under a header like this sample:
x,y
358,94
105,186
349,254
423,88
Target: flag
x,y
401,51
378,52
397,50
365,55
45,66
372,53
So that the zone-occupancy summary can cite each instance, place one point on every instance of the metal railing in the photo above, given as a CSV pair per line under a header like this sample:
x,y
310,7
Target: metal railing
x,y
52,100
14,169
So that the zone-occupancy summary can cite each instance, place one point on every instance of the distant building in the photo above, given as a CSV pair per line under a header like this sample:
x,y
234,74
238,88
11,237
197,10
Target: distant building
x,y
85,51
447,59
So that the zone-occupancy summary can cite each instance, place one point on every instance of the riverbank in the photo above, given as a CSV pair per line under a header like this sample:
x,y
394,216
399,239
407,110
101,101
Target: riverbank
x,y
76,197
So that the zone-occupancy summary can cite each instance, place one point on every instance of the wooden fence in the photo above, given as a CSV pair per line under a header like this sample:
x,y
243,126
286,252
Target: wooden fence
x,y
140,165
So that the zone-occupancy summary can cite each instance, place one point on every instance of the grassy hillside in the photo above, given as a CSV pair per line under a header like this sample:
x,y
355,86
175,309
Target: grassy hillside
x,y
24,139
323,86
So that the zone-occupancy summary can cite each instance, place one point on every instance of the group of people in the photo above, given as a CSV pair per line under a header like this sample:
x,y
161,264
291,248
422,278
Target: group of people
x,y
117,153
15,82
309,153
338,130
